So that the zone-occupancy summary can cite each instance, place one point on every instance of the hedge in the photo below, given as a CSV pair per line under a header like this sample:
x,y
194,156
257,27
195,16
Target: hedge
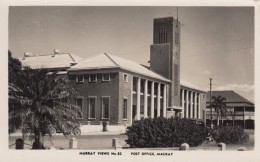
x,y
230,134
163,132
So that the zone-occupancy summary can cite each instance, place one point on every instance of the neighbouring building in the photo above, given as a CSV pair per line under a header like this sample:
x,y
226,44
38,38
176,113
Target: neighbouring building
x,y
240,110
119,91
58,61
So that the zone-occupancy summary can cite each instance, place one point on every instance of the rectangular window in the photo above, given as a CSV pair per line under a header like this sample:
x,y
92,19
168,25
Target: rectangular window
x,y
79,103
125,108
80,78
125,78
92,108
92,77
105,107
106,77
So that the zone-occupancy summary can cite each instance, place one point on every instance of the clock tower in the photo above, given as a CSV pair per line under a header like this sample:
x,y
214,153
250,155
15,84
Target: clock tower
x,y
165,57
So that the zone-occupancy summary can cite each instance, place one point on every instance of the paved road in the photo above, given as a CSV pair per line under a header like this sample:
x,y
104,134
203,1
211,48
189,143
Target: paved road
x,y
86,142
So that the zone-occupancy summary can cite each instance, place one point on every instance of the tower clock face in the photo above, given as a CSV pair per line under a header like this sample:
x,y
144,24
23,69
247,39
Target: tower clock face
x,y
161,56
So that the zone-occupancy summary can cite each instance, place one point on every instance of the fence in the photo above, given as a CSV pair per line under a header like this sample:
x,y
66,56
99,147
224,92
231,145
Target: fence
x,y
115,145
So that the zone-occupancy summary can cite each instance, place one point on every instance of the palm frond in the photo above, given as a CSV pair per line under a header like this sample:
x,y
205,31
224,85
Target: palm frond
x,y
36,100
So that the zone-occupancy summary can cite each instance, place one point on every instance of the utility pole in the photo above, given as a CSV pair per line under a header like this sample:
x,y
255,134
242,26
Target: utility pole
x,y
210,94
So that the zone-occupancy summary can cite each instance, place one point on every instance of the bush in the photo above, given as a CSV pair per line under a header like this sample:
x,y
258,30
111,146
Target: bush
x,y
230,134
163,132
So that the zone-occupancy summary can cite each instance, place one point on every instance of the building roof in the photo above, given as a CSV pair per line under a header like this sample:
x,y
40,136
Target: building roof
x,y
190,85
107,61
230,96
52,61
101,61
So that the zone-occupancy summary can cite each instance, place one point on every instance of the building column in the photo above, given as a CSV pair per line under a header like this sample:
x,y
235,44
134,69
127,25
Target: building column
x,y
158,99
145,98
199,107
191,105
187,104
138,98
164,100
182,103
152,100
195,106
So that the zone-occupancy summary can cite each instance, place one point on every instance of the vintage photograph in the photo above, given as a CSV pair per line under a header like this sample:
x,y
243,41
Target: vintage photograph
x,y
126,78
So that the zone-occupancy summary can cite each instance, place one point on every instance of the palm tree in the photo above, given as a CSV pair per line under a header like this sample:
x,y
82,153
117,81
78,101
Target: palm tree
x,y
38,100
219,105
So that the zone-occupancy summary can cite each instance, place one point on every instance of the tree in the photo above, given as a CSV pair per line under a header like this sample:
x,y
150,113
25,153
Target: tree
x,y
219,105
14,68
38,100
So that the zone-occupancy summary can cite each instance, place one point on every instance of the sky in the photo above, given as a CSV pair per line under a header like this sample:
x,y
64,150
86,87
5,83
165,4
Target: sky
x,y
216,42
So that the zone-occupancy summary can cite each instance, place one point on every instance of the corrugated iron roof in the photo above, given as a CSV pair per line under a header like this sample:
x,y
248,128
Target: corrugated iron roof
x,y
60,60
101,61
106,61
230,96
190,85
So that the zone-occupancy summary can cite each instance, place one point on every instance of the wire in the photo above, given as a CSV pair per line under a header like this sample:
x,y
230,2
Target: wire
x,y
217,52
12,144
222,42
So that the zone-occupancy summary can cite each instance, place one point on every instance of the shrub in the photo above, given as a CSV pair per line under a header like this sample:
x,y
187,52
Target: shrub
x,y
163,132
230,134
